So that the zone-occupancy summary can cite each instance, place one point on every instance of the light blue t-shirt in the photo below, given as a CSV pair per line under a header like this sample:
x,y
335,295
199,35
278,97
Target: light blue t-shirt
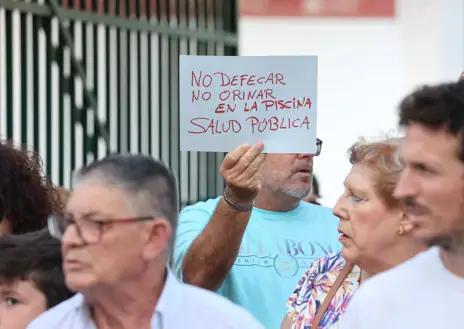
x,y
276,250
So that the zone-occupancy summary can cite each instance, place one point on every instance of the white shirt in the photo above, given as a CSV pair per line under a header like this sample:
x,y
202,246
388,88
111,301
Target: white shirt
x,y
420,293
180,306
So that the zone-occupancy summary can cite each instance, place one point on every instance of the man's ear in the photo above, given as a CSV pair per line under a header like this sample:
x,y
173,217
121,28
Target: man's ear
x,y
157,235
461,77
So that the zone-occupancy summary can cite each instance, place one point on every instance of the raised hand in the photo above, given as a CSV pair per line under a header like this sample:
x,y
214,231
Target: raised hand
x,y
241,170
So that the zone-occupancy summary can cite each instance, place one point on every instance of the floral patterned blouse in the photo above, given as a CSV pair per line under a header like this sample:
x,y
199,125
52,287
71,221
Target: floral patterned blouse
x,y
314,286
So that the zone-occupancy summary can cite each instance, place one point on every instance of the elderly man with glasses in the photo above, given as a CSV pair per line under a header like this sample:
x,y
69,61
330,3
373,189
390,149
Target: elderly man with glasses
x,y
116,235
255,241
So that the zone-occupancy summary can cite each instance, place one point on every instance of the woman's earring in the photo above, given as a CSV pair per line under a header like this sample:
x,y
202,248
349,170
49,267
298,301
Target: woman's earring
x,y
401,230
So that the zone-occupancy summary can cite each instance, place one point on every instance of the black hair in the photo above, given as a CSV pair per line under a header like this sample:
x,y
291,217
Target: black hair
x,y
27,196
436,107
35,257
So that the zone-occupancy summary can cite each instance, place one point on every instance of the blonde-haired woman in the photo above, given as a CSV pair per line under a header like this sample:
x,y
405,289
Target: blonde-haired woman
x,y
374,231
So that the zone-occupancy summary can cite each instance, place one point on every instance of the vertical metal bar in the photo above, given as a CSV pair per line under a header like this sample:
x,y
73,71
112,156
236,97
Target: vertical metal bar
x,y
201,156
83,118
36,30
126,121
53,98
184,160
159,80
143,59
216,27
72,135
99,93
17,71
127,56
101,60
134,110
3,68
119,54
62,84
212,165
46,128
42,82
25,80
71,103
66,125
194,157
138,92
31,55
9,74
111,77
221,12
165,105
150,43
123,82
155,83
174,93
90,83
230,18
55,141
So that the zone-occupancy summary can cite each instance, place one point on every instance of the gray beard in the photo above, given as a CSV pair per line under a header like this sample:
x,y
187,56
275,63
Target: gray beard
x,y
300,195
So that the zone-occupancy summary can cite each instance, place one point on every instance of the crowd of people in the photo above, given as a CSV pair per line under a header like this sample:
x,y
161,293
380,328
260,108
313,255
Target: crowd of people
x,y
116,252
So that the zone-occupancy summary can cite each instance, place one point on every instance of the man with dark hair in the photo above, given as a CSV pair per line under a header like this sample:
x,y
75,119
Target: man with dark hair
x,y
31,278
117,235
427,291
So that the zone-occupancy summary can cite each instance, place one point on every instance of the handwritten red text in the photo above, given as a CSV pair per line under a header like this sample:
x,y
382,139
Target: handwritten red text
x,y
224,80
275,123
294,103
205,125
255,124
197,94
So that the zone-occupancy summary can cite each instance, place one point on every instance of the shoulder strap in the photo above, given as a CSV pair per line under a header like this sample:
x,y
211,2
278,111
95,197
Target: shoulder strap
x,y
337,284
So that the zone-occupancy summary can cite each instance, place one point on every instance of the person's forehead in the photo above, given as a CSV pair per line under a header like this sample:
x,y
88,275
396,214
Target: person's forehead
x,y
16,285
422,144
360,176
93,197
7,285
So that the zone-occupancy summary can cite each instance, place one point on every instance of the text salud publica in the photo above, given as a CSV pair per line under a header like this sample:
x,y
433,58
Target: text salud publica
x,y
251,100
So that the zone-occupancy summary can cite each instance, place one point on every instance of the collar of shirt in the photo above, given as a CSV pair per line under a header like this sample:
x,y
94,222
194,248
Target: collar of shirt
x,y
164,315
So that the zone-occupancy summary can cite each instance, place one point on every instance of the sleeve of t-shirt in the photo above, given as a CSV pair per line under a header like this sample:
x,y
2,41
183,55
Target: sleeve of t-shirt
x,y
305,283
192,221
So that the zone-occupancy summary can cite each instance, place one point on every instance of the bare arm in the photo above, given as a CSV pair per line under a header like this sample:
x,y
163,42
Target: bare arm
x,y
287,322
211,256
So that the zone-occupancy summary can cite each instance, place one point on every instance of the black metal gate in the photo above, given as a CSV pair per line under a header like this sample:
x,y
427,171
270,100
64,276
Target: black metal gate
x,y
82,78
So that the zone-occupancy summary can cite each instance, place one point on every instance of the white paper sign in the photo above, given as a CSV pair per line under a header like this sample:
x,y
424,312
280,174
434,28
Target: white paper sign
x,y
226,101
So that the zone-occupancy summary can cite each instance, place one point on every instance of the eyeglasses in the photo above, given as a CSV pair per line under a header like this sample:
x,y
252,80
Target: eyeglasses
x,y
318,146
89,230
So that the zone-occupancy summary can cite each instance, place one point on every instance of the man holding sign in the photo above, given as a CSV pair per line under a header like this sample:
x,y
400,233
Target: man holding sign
x,y
254,242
